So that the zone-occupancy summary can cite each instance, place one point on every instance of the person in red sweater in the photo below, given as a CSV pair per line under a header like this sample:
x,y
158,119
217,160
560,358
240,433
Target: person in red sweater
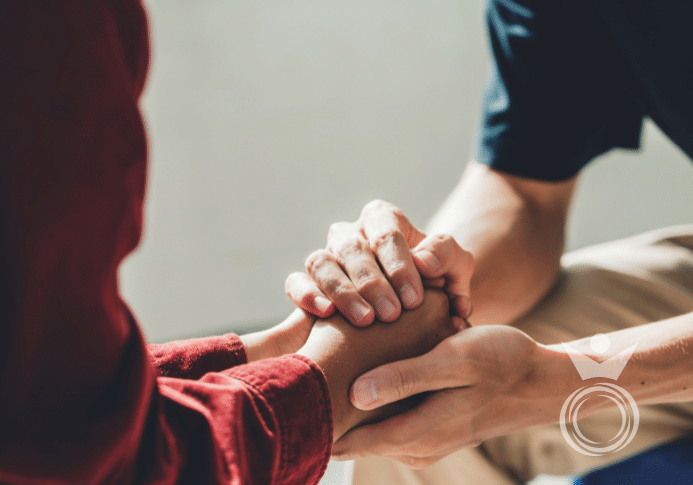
x,y
83,400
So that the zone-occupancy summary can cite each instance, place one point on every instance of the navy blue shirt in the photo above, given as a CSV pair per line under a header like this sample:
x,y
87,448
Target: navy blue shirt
x,y
572,79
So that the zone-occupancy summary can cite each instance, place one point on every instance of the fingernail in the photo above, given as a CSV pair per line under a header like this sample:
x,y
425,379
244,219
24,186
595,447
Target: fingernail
x,y
429,260
365,393
385,308
321,303
342,457
467,306
358,311
408,295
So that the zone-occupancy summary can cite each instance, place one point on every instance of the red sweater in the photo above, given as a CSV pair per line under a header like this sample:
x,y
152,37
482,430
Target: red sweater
x,y
82,400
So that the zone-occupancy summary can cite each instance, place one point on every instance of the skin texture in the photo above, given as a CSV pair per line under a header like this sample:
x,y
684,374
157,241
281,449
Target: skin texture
x,y
347,275
285,338
344,352
490,379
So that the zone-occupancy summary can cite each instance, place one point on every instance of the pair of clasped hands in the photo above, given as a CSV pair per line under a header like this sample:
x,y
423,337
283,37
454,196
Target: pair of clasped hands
x,y
382,310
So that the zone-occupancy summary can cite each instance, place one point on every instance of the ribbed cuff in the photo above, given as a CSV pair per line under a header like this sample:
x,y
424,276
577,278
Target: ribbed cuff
x,y
193,358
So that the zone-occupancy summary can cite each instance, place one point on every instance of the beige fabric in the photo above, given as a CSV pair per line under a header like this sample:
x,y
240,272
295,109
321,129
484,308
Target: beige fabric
x,y
602,288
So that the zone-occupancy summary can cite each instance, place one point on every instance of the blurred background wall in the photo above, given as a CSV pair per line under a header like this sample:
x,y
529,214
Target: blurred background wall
x,y
268,120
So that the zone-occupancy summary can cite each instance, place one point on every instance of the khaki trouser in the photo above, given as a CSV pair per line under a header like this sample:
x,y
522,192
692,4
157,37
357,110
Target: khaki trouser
x,y
602,288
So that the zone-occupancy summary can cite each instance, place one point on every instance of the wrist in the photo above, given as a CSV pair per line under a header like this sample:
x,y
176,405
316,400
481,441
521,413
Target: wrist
x,y
260,345
554,378
285,338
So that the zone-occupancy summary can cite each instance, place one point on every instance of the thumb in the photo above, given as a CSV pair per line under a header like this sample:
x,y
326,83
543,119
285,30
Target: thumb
x,y
440,256
394,381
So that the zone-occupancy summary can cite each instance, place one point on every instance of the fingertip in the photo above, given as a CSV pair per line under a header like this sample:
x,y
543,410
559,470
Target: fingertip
x,y
363,394
322,306
462,306
459,323
386,309
411,298
466,306
360,314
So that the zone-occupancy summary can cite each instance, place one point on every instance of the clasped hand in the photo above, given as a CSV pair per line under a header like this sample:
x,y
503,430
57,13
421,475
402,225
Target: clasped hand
x,y
483,377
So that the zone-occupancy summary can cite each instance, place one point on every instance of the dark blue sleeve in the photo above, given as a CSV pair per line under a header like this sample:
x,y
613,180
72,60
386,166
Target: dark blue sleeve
x,y
557,94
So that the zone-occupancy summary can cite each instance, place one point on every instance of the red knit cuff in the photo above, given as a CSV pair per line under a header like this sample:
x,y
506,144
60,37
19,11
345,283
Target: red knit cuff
x,y
193,358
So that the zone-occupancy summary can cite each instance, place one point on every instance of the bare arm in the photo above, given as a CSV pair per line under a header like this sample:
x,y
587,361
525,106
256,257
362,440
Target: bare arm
x,y
514,228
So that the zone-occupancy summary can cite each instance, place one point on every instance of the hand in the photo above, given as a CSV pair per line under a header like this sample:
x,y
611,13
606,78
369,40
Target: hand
x,y
370,265
285,338
344,352
487,384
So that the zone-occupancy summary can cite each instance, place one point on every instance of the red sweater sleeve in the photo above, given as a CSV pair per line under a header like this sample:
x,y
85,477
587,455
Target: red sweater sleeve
x,y
80,399
192,358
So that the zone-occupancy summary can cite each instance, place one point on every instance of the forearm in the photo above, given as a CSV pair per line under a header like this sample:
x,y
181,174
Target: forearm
x,y
515,230
659,370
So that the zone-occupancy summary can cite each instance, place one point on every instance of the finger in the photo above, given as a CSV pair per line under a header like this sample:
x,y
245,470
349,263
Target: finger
x,y
439,425
434,282
437,369
391,236
326,272
381,439
292,333
306,295
409,433
440,255
354,255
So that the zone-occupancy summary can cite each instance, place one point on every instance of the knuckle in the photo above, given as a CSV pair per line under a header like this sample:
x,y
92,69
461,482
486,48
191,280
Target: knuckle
x,y
377,205
346,246
337,228
338,292
317,259
367,282
405,383
396,269
386,238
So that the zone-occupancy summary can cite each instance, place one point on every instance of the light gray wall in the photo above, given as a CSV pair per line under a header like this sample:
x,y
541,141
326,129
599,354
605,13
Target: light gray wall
x,y
269,120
